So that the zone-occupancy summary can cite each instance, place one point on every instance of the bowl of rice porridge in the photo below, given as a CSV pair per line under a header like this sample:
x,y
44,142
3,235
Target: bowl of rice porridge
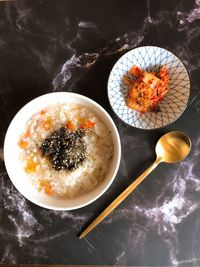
x,y
62,151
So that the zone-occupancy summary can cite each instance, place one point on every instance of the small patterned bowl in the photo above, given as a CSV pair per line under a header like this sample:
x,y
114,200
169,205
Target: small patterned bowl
x,y
150,58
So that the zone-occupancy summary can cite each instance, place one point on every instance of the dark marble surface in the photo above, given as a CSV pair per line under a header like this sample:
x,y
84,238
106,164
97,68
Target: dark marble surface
x,y
48,46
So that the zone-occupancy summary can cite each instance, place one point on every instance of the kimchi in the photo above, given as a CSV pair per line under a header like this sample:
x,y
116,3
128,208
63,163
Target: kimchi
x,y
146,89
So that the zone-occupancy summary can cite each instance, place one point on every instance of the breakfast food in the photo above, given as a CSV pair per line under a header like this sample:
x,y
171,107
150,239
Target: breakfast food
x,y
66,150
146,89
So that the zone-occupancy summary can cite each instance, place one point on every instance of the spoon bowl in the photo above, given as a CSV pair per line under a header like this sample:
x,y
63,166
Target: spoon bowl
x,y
173,147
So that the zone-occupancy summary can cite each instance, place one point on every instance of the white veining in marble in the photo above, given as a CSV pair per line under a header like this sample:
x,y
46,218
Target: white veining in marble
x,y
8,254
186,18
195,13
74,62
90,247
149,12
19,214
87,24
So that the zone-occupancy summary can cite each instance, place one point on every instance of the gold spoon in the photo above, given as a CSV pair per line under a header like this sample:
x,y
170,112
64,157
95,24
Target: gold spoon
x,y
170,148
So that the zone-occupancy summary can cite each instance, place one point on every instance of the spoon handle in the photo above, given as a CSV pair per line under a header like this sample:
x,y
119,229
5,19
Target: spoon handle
x,y
120,198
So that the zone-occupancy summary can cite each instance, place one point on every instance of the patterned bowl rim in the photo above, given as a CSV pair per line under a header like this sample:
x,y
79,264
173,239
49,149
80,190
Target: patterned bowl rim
x,y
189,89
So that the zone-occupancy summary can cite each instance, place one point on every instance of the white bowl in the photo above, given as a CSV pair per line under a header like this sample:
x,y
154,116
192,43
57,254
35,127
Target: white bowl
x,y
14,167
150,58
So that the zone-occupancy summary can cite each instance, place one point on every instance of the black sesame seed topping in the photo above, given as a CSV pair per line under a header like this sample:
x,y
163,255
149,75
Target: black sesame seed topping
x,y
65,149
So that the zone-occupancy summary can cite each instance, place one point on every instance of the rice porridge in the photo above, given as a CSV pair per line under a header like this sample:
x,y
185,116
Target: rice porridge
x,y
66,150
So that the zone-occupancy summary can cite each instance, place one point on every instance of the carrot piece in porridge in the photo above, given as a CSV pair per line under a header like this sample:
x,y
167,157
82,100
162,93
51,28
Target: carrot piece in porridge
x,y
42,112
88,124
71,126
27,134
46,125
22,143
30,166
46,186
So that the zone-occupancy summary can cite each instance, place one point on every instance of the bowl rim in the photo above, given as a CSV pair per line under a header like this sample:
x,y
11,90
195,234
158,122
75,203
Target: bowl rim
x,y
116,142
160,127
